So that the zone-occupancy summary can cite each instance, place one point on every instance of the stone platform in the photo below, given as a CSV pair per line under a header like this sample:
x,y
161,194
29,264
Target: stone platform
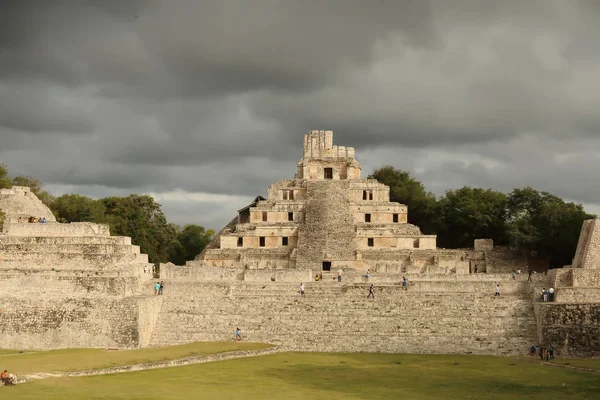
x,y
432,316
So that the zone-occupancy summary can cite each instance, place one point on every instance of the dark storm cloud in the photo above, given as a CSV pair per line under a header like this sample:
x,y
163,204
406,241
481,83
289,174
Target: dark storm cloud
x,y
196,48
213,97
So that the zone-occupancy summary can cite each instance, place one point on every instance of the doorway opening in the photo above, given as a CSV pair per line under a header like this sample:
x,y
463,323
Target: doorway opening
x,y
326,265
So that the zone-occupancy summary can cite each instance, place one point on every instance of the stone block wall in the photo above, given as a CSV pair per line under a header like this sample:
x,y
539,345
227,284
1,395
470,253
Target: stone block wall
x,y
574,328
50,323
577,295
20,202
503,260
148,311
195,271
587,254
39,285
280,275
56,229
328,232
586,277
483,245
426,318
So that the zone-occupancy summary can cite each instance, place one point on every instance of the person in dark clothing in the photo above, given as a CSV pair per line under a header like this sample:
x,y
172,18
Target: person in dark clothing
x,y
371,294
551,352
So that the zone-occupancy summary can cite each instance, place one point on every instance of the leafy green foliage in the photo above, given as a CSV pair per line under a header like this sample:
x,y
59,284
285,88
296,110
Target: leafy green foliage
x,y
77,208
141,218
190,242
544,223
469,213
526,219
5,182
422,205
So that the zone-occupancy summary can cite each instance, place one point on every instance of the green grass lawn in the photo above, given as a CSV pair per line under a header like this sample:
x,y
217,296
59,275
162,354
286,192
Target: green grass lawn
x,y
329,376
7,352
593,363
80,359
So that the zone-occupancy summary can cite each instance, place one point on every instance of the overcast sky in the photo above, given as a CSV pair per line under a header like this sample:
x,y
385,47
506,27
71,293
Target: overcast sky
x,y
205,103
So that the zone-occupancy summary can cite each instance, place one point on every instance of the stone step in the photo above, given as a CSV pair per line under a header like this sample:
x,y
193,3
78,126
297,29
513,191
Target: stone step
x,y
117,240
58,259
344,340
291,294
68,248
431,285
396,327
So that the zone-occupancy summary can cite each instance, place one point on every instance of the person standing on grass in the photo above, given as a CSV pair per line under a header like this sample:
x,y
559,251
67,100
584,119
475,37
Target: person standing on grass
x,y
302,289
497,290
551,351
238,334
371,293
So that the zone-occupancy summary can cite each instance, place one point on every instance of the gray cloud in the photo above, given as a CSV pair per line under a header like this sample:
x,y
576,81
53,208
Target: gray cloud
x,y
212,98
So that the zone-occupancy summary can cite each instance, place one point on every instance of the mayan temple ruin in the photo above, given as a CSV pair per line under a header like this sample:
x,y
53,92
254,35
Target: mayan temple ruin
x,y
326,218
74,285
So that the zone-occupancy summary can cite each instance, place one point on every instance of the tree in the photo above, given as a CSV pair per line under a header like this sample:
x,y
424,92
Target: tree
x,y
469,213
5,182
76,208
36,188
141,218
191,240
422,205
544,223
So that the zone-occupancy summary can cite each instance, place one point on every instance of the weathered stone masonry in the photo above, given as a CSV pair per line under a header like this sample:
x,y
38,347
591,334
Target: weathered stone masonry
x,y
69,285
74,285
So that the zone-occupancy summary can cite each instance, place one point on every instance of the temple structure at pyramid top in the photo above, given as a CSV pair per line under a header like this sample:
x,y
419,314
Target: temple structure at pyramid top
x,y
326,217
323,160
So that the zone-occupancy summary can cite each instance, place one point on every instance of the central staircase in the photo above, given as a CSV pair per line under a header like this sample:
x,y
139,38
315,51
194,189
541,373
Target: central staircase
x,y
429,317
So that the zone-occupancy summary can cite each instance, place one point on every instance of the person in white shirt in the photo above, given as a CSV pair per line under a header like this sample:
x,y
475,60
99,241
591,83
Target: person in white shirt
x,y
302,289
497,290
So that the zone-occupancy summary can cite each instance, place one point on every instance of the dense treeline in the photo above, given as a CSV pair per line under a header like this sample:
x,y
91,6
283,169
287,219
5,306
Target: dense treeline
x,y
524,219
137,216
